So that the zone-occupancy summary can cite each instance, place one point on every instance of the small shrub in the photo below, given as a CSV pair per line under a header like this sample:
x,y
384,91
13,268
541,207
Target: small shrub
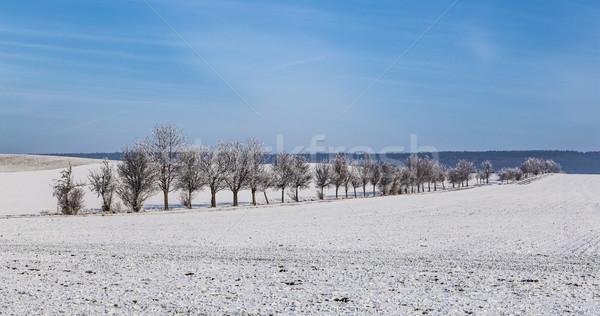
x,y
69,193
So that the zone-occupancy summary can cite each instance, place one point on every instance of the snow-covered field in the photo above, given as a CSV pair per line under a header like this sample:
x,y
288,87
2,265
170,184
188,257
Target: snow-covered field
x,y
503,249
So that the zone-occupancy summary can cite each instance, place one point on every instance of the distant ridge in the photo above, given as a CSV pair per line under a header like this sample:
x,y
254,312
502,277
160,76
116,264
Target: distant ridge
x,y
570,161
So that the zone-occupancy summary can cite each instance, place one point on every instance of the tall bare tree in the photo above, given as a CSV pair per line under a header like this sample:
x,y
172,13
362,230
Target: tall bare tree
x,y
136,177
374,175
189,174
365,172
214,168
322,177
486,170
104,183
301,175
163,145
339,172
266,181
257,177
282,172
238,163
355,176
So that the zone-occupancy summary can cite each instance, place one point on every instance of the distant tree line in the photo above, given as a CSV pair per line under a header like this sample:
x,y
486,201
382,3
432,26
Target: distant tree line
x,y
162,162
570,161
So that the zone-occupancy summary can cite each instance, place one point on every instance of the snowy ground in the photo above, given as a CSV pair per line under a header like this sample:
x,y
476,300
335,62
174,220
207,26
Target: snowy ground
x,y
515,249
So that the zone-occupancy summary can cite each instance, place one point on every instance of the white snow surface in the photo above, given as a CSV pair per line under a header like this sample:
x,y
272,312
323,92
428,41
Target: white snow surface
x,y
503,249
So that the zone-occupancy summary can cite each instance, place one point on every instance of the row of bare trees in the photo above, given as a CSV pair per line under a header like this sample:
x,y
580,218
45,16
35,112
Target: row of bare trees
x,y
163,162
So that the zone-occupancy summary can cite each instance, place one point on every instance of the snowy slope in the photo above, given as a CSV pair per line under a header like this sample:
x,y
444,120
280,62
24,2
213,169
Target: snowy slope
x,y
514,249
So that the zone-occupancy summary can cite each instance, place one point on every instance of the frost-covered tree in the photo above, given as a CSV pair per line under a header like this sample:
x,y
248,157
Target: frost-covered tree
x,y
374,176
454,177
322,177
301,175
339,172
439,175
355,176
68,192
425,173
214,169
465,170
257,179
486,170
137,177
365,172
405,179
236,157
550,166
163,145
189,174
387,178
533,167
412,163
103,182
266,181
282,172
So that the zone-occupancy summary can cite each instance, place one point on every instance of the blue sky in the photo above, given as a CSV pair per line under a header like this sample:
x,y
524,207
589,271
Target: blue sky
x,y
91,76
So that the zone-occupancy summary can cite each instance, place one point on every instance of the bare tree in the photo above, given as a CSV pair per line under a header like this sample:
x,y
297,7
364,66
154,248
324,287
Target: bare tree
x,y
486,170
355,176
282,172
189,174
136,177
465,170
387,178
257,179
374,175
163,145
339,172
425,173
214,168
439,175
322,177
550,166
104,183
237,160
301,175
365,172
266,181
68,192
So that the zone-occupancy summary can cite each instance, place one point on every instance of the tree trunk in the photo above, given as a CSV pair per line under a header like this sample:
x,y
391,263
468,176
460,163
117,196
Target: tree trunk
x,y
283,195
235,197
297,198
322,193
428,186
166,195
190,193
346,188
355,192
213,198
374,190
254,197
364,191
336,192
266,198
